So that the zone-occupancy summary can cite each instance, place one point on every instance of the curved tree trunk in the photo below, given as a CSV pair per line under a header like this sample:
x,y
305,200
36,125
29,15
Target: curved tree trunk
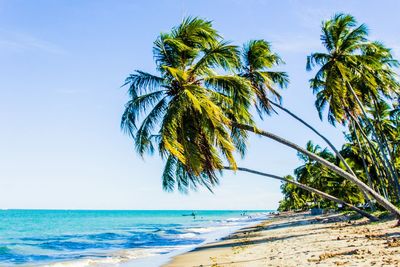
x,y
348,168
384,139
365,166
385,163
375,134
381,200
310,189
318,133
363,158
382,174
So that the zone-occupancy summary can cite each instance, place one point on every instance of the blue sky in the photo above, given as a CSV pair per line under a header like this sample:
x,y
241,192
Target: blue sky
x,y
62,64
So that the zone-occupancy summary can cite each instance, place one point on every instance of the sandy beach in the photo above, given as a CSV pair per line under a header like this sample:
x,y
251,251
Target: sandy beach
x,y
302,240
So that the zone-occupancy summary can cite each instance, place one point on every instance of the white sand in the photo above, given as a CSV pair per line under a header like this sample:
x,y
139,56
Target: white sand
x,y
301,240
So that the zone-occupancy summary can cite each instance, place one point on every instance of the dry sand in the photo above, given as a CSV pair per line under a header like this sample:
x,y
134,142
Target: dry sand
x,y
302,240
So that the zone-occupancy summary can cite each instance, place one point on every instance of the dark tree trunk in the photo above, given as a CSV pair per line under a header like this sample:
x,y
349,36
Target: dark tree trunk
x,y
318,133
374,133
312,190
381,200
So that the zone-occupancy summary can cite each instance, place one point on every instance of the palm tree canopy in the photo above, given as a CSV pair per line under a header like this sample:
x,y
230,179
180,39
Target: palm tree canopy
x,y
184,110
349,58
257,62
380,113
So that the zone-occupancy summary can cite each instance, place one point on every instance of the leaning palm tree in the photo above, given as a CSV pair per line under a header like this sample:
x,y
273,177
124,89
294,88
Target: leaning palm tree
x,y
195,117
336,169
258,60
351,69
182,118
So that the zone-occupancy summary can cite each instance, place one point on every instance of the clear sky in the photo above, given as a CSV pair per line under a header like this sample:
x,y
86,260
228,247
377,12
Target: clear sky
x,y
61,67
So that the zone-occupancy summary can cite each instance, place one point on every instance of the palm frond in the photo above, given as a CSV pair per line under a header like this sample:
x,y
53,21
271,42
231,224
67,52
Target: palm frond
x,y
142,82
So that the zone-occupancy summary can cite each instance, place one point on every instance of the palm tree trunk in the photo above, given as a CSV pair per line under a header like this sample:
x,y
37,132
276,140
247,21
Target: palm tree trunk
x,y
348,168
386,143
362,157
384,139
310,189
390,169
365,167
318,133
382,174
384,191
381,200
380,145
385,163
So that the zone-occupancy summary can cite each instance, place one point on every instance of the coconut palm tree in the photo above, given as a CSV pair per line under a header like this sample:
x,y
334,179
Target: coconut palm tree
x,y
178,111
343,41
351,60
257,58
257,62
193,116
381,200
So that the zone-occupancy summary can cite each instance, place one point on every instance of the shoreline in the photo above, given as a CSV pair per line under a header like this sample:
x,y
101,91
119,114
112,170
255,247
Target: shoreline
x,y
164,259
301,240
159,255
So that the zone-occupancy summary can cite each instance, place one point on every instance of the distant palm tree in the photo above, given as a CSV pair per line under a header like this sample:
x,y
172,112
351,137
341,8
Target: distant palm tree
x,y
395,118
385,126
311,190
293,197
356,151
316,175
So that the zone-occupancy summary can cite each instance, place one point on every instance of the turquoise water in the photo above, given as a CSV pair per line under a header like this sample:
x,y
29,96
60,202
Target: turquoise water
x,y
107,238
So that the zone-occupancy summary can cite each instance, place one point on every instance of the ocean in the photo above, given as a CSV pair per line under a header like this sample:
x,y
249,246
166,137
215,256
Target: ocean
x,y
111,237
